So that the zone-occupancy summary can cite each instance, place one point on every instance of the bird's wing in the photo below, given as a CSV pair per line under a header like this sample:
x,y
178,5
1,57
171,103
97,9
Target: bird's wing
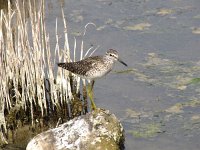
x,y
81,67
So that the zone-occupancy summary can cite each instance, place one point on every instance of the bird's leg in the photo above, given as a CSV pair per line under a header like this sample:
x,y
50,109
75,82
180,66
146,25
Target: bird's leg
x,y
92,84
91,94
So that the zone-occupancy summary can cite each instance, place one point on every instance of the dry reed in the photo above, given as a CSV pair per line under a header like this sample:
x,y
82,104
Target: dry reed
x,y
28,81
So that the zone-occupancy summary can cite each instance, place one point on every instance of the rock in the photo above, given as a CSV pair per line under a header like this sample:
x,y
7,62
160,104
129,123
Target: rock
x,y
97,130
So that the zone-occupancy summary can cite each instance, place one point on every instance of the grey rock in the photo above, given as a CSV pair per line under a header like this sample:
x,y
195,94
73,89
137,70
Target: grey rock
x,y
97,130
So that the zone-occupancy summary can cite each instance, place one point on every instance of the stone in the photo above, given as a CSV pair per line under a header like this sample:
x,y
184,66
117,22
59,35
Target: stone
x,y
97,130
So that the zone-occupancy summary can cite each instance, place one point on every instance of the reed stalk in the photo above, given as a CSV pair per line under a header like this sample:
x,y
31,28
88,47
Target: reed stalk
x,y
28,81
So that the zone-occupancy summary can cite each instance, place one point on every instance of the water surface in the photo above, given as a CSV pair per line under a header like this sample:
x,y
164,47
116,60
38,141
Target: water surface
x,y
157,100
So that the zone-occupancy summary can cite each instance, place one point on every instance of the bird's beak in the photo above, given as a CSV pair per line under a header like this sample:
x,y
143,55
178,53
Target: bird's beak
x,y
122,62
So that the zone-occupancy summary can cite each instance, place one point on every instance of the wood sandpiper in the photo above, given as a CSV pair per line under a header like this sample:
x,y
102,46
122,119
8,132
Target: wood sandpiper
x,y
92,68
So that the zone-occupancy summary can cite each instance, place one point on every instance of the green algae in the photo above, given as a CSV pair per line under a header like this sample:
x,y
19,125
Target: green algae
x,y
194,81
178,107
124,71
147,130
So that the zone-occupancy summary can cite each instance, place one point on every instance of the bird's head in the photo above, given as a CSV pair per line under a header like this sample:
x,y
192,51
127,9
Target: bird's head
x,y
113,54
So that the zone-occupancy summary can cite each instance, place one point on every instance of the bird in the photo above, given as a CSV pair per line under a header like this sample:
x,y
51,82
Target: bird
x,y
92,68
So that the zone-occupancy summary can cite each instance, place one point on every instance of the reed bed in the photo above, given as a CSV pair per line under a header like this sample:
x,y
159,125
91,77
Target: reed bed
x,y
33,91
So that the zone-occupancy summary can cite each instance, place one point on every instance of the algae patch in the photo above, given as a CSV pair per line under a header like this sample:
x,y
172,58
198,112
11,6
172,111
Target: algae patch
x,y
196,30
164,11
178,107
138,27
132,113
125,71
147,130
194,81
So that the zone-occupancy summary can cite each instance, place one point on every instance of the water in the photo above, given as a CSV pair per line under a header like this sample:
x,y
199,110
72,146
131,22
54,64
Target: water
x,y
156,102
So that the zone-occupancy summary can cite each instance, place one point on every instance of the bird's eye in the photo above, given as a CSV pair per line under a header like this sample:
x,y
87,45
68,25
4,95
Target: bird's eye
x,y
110,54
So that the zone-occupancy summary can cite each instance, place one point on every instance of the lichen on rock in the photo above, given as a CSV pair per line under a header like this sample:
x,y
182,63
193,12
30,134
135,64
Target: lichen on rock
x,y
96,130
